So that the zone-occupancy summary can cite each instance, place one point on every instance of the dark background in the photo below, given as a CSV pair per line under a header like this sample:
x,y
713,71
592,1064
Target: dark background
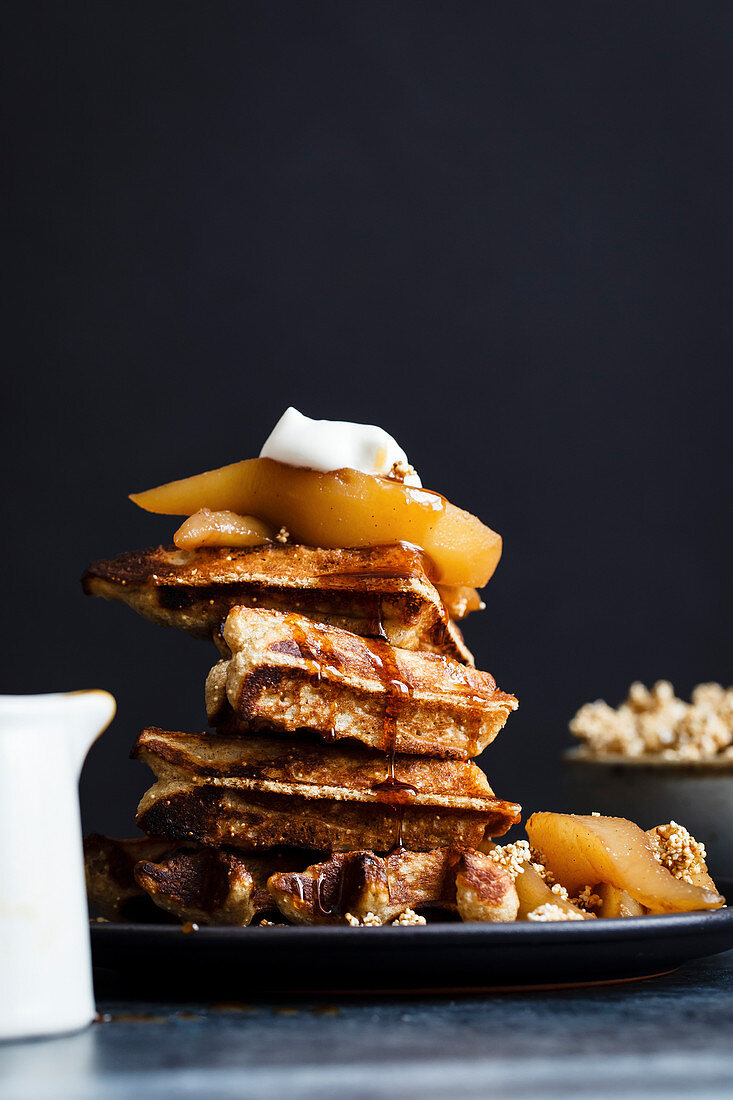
x,y
502,231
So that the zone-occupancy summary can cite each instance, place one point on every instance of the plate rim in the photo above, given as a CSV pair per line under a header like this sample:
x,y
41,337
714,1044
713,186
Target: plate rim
x,y
608,929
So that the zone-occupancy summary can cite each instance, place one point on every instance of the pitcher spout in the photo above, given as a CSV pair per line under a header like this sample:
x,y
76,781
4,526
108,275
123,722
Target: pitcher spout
x,y
88,715
74,718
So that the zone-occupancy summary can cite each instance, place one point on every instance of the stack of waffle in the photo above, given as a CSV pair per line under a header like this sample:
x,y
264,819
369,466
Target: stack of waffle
x,y
337,780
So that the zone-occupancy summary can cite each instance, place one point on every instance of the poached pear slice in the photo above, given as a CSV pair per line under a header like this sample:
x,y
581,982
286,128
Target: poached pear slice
x,y
533,892
207,528
581,850
337,509
617,903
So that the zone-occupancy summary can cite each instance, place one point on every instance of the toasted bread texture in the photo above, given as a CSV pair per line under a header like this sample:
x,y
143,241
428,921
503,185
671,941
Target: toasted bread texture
x,y
151,881
214,885
362,883
109,868
381,591
289,673
343,772
218,815
253,793
223,886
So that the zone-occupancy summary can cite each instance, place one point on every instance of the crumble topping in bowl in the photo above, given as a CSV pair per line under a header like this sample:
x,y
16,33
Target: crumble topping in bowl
x,y
656,723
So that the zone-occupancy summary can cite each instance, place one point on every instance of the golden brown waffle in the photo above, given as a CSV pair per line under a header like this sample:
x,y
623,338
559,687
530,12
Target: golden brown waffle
x,y
227,887
362,883
289,673
149,880
214,814
310,769
214,885
253,793
381,591
111,887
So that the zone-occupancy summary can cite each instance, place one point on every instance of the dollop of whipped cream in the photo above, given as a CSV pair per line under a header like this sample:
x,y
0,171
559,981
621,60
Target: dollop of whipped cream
x,y
333,444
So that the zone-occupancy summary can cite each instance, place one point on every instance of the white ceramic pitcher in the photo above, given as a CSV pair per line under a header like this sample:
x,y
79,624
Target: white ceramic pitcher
x,y
45,962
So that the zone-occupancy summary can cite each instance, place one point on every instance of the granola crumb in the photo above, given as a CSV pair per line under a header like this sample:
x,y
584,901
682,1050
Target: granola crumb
x,y
409,917
283,535
401,470
550,912
512,857
271,924
587,900
560,891
677,850
654,722
371,920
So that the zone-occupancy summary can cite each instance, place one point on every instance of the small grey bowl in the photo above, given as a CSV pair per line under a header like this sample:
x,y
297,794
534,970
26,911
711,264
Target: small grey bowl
x,y
652,791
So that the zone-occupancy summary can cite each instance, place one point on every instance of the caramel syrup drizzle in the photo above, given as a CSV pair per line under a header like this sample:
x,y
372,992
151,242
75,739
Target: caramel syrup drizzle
x,y
348,884
397,694
315,664
319,904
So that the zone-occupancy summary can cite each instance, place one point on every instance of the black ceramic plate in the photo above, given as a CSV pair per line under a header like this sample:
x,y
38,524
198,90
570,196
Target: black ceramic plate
x,y
232,962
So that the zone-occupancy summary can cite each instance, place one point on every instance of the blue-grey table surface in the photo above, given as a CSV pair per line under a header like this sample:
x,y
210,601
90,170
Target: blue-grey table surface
x,y
669,1036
